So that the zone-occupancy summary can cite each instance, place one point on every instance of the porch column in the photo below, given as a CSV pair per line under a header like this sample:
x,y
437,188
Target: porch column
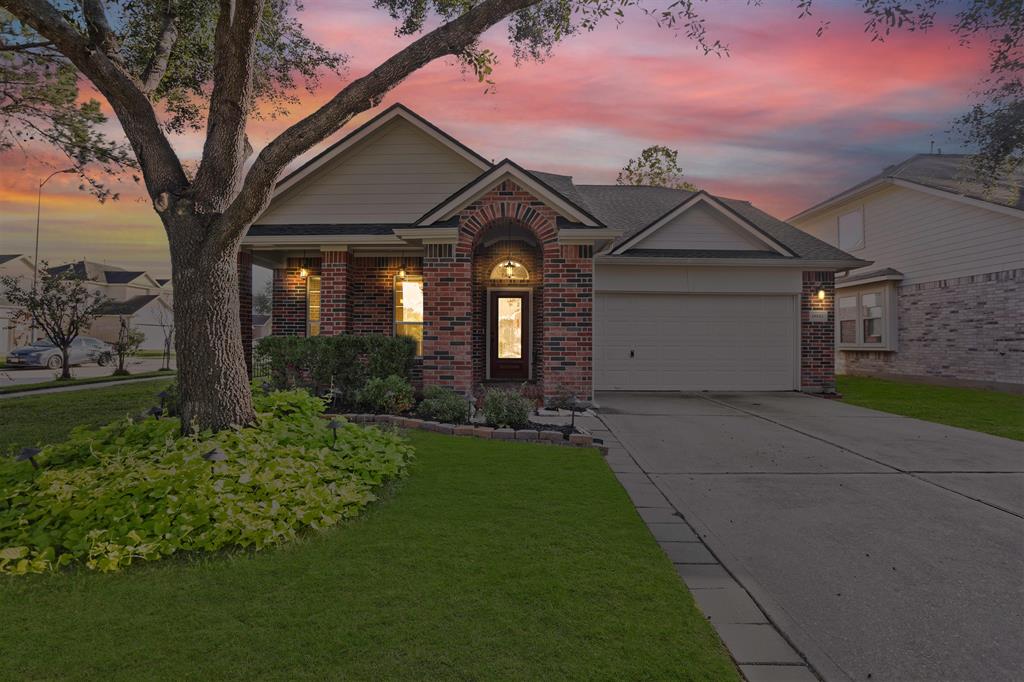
x,y
817,333
447,317
568,320
334,297
245,305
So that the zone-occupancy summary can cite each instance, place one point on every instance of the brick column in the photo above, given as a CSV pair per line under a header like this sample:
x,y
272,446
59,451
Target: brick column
x,y
447,317
568,320
334,298
245,305
817,337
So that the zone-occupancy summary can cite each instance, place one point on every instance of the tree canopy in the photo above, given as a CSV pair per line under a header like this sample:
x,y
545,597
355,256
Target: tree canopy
x,y
657,166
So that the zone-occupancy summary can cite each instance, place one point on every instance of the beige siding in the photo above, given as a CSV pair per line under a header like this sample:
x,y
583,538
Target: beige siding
x,y
394,176
927,237
701,227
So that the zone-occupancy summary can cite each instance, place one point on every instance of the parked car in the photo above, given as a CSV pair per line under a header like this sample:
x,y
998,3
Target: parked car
x,y
43,353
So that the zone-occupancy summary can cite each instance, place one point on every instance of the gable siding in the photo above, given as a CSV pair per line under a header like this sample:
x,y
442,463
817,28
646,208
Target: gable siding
x,y
394,176
928,238
701,227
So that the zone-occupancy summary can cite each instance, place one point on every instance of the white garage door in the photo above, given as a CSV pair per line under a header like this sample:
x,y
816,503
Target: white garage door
x,y
694,342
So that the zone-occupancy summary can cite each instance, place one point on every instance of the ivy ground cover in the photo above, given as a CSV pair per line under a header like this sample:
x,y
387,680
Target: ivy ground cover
x,y
490,561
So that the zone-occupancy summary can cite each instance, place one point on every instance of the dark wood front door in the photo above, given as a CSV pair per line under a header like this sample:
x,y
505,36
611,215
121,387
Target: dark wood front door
x,y
509,334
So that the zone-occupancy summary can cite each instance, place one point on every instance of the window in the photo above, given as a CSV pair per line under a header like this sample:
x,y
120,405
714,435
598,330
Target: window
x,y
409,309
851,230
510,269
862,319
312,305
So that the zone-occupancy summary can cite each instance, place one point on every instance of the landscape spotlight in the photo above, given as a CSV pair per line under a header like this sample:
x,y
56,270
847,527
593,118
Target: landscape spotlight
x,y
334,425
215,455
28,454
156,411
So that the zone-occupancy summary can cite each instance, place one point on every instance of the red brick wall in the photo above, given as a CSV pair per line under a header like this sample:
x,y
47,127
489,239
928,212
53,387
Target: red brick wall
x,y
569,331
245,305
372,292
289,314
448,318
817,339
334,292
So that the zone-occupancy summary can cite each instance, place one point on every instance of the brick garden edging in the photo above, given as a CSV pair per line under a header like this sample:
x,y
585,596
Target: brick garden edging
x,y
486,432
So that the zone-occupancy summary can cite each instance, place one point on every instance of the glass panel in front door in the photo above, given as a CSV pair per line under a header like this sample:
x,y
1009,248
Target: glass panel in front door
x,y
510,327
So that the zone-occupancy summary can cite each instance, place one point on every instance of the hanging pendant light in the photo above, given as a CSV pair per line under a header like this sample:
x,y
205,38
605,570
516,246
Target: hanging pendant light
x,y
509,264
401,267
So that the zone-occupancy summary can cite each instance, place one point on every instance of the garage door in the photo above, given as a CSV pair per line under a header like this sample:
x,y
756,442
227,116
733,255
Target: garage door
x,y
695,342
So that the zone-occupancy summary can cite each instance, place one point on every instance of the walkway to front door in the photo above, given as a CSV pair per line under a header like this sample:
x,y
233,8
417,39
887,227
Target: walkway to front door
x,y
882,547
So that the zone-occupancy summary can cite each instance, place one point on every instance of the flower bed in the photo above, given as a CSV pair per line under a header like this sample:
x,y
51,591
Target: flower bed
x,y
138,490
555,435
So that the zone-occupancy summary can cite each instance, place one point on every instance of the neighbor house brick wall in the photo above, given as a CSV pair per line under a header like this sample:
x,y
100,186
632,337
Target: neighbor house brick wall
x,y
817,337
334,292
289,314
969,329
568,321
245,305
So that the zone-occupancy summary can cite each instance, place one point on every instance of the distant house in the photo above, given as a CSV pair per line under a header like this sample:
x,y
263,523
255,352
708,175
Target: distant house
x,y
146,302
943,299
261,326
13,334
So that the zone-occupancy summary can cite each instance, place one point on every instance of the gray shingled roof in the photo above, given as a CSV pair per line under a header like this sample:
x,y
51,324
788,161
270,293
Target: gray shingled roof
x,y
129,306
947,172
121,276
322,230
871,274
8,257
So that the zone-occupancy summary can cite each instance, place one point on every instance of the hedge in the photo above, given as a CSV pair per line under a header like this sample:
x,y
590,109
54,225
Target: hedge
x,y
340,365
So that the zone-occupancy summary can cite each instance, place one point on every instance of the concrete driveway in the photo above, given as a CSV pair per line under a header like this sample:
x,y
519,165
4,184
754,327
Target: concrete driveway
x,y
882,547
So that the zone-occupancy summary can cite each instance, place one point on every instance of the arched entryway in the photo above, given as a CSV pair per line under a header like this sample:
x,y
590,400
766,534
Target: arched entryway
x,y
508,299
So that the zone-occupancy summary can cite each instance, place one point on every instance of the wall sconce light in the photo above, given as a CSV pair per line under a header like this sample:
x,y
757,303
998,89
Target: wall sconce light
x,y
303,273
821,294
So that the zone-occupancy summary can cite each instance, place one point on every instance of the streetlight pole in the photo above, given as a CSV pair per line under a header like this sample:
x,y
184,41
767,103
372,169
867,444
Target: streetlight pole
x,y
35,257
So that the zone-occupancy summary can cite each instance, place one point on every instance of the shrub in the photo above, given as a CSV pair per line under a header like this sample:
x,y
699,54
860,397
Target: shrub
x,y
443,405
341,364
505,408
138,490
392,395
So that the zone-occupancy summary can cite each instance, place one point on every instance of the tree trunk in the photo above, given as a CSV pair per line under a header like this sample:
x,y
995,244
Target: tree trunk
x,y
213,383
65,366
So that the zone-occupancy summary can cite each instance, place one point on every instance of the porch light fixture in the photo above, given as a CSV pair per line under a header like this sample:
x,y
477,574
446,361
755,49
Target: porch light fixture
x,y
401,268
29,455
303,271
821,294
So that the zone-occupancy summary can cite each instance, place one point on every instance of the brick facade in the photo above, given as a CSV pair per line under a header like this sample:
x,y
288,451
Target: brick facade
x,y
334,288
817,337
245,305
372,292
568,321
967,330
289,313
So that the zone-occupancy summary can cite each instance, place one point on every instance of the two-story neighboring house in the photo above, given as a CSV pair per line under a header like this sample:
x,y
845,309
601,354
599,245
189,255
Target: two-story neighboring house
x,y
13,332
944,297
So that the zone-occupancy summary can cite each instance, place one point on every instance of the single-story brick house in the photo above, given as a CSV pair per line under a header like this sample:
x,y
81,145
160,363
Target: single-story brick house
x,y
943,301
503,274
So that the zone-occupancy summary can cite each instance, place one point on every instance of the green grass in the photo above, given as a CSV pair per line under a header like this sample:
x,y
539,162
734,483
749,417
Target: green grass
x,y
1001,414
49,417
491,561
18,388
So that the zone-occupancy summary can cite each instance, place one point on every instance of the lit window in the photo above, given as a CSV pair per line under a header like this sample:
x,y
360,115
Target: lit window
x,y
312,306
510,269
409,309
862,319
851,231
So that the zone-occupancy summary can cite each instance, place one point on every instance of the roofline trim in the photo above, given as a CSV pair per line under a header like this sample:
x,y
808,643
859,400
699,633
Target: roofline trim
x,y
396,110
480,185
792,263
869,280
687,204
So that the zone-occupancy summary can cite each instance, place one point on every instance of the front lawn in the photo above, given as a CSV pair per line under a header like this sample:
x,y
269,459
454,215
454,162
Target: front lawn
x,y
1001,414
491,561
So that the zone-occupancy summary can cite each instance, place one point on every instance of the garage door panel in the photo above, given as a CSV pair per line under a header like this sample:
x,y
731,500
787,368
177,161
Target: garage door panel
x,y
695,342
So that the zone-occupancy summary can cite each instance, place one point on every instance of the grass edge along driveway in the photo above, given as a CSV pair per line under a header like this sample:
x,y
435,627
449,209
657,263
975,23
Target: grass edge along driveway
x,y
492,560
994,412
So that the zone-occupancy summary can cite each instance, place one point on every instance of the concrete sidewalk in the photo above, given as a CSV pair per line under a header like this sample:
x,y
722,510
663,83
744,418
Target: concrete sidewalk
x,y
875,545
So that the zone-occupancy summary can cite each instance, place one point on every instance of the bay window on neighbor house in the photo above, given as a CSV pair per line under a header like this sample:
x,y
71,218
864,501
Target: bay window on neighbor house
x,y
312,305
409,309
866,319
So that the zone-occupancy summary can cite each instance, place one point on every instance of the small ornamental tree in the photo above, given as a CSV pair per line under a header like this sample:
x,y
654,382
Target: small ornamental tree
x,y
61,305
168,66
128,342
657,166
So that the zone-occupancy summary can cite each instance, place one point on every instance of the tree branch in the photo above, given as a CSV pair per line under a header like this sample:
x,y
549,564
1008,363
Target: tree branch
x,y
21,47
162,171
157,66
100,33
230,102
453,38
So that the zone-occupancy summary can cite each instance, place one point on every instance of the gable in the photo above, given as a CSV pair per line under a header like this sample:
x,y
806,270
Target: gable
x,y
393,175
701,227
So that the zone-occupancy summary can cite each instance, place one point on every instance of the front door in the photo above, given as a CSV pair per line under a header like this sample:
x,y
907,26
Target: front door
x,y
509,335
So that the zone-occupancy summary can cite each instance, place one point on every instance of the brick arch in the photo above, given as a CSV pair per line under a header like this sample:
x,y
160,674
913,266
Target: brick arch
x,y
507,201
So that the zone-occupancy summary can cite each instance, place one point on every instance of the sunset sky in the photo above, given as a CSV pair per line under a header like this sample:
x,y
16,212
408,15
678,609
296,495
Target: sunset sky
x,y
785,121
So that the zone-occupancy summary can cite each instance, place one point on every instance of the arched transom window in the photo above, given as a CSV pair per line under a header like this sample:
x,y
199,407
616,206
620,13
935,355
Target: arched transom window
x,y
510,269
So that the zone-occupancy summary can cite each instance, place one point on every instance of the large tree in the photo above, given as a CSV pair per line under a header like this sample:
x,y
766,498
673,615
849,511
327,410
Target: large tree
x,y
165,66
